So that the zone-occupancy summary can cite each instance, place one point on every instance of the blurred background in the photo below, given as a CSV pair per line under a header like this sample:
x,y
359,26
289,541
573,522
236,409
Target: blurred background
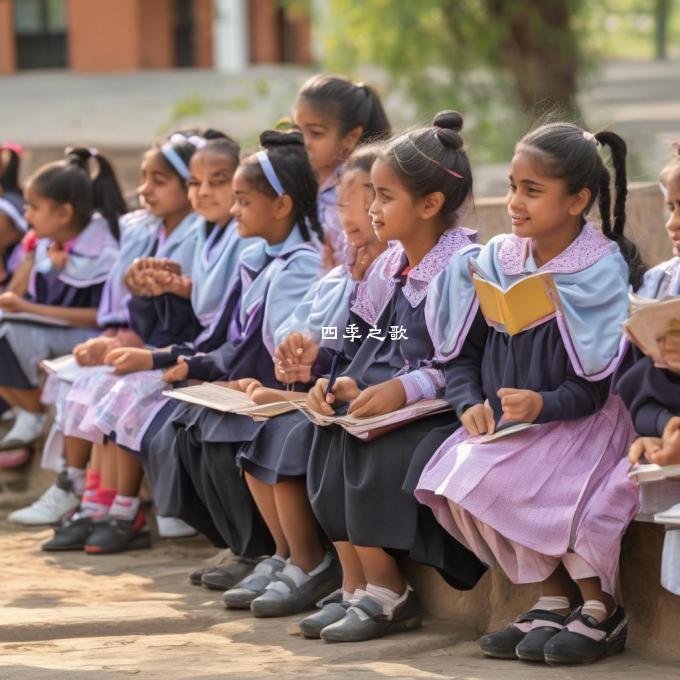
x,y
119,74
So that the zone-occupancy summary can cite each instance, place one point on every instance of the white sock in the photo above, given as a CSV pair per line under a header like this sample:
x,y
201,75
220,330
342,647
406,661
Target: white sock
x,y
550,603
279,558
356,595
124,507
596,609
77,478
27,427
299,576
347,596
387,598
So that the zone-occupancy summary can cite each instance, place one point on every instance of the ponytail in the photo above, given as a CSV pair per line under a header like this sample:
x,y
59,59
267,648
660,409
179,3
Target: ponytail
x,y
9,171
613,222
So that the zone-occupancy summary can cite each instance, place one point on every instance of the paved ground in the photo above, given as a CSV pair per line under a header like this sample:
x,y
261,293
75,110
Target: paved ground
x,y
79,617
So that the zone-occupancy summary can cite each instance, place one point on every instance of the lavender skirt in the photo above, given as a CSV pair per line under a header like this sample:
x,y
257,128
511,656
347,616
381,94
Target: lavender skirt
x,y
554,489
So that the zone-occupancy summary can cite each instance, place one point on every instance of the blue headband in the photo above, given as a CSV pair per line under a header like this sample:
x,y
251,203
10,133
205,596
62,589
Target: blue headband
x,y
175,160
269,172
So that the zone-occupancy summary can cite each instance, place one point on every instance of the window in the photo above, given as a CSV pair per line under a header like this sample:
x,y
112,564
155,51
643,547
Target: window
x,y
41,35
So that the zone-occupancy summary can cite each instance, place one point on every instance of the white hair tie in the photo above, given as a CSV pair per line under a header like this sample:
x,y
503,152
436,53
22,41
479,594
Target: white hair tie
x,y
590,137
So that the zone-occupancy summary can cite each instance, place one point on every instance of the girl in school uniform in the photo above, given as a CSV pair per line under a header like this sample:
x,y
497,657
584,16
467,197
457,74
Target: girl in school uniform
x,y
549,504
13,225
277,481
191,450
118,416
361,492
165,228
75,219
653,394
335,115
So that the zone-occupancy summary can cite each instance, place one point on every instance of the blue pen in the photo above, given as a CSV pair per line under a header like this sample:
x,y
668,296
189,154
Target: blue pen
x,y
333,375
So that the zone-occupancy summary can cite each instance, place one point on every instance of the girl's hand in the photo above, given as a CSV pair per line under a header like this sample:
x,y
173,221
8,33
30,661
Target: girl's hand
x,y
294,358
478,419
344,389
92,352
378,399
644,446
129,360
520,405
364,258
58,256
669,346
177,373
11,302
670,445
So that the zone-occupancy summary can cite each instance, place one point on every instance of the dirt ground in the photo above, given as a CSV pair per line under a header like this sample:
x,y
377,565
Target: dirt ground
x,y
82,617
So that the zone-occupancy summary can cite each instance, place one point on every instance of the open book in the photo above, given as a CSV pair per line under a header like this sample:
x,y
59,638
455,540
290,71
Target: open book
x,y
29,317
523,304
651,472
372,427
505,431
649,321
227,400
66,368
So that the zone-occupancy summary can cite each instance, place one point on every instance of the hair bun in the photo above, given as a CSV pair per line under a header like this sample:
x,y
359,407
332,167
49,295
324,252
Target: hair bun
x,y
447,125
449,120
77,155
270,139
211,133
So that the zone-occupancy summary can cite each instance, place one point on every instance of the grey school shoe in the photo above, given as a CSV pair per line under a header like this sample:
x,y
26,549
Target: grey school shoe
x,y
228,575
331,609
253,585
283,597
365,620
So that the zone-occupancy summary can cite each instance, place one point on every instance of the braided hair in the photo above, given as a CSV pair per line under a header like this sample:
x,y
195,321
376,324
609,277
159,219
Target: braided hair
x,y
286,151
570,153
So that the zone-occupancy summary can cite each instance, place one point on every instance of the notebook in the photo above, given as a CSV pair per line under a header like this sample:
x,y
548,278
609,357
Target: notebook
x,y
66,368
505,431
372,427
228,400
649,321
651,472
29,317
523,304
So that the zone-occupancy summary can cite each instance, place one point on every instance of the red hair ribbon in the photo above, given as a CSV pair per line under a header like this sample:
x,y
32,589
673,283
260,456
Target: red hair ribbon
x,y
11,146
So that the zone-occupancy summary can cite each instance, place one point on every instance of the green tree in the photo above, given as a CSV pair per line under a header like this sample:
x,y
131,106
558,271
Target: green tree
x,y
490,58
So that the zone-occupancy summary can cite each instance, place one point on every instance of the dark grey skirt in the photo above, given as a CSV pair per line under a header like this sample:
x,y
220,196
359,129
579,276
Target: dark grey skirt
x,y
280,450
362,492
196,478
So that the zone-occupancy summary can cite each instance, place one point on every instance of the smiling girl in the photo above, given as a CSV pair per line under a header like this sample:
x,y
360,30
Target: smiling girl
x,y
539,503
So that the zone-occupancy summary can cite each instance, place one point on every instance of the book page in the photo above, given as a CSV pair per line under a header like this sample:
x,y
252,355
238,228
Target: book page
x,y
651,321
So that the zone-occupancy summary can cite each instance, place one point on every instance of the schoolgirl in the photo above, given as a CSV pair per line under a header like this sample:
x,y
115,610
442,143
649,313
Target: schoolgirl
x,y
549,504
335,115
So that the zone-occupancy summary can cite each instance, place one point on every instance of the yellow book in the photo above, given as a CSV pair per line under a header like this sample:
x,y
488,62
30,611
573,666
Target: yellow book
x,y
524,304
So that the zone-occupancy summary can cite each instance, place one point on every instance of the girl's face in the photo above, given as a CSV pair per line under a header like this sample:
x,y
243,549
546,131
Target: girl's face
x,y
210,186
673,223
354,199
325,145
161,191
393,210
539,205
254,211
48,218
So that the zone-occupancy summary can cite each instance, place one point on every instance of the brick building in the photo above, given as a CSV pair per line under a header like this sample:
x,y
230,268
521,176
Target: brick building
x,y
99,36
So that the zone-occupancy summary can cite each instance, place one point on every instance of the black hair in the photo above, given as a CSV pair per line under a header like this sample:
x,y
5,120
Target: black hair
x,y
69,181
222,144
570,153
351,104
671,170
362,158
433,159
9,171
286,151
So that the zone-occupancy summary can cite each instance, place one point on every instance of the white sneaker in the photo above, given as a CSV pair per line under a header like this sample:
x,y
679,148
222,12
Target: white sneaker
x,y
172,527
27,428
50,508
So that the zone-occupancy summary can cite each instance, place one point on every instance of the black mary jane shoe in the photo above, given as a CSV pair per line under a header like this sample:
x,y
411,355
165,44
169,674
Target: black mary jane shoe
x,y
72,535
584,640
543,628
503,643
